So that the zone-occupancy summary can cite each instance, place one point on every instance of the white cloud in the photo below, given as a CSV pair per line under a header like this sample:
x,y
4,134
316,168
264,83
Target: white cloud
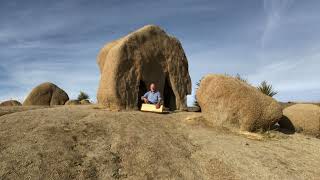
x,y
274,9
291,76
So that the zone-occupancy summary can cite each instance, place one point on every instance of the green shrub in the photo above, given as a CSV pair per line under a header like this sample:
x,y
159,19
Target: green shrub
x,y
267,89
83,96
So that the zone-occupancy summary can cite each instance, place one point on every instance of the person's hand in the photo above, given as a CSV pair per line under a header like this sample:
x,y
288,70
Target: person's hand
x,y
145,100
157,106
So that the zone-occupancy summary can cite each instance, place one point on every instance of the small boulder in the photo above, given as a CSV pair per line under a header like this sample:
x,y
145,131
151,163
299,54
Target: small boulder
x,y
85,102
46,94
303,117
10,103
229,102
72,102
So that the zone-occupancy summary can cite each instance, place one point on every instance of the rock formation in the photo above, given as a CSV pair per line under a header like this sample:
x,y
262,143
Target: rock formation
x,y
228,101
303,117
10,103
77,102
46,94
129,64
85,102
72,102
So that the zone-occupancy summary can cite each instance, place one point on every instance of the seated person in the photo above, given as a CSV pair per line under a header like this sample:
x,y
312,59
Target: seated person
x,y
152,97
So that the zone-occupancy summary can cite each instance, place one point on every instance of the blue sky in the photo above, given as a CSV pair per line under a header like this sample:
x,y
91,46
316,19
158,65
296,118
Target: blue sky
x,y
58,41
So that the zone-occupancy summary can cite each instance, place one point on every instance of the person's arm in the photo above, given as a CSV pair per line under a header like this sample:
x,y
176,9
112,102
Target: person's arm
x,y
145,97
159,100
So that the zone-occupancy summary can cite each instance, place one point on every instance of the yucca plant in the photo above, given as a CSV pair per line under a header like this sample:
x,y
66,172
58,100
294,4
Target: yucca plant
x,y
267,89
83,96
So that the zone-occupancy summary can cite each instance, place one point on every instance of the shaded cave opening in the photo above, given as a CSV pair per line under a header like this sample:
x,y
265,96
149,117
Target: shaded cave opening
x,y
169,98
142,90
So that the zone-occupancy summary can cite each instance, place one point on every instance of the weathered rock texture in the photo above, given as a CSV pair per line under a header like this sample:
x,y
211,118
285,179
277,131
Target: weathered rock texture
x,y
85,102
129,64
72,102
305,117
46,94
227,101
77,102
10,103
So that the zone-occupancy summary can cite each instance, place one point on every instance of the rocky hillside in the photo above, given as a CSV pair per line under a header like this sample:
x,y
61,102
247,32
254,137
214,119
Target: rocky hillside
x,y
85,142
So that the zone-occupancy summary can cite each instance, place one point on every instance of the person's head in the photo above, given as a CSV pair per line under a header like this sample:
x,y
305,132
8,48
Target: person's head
x,y
152,87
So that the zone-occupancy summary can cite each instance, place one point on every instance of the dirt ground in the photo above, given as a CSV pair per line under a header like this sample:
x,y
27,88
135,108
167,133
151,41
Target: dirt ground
x,y
13,109
288,104
85,142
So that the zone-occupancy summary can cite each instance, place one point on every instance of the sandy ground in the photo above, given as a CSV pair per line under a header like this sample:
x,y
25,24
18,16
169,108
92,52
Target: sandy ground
x,y
288,104
84,142
12,109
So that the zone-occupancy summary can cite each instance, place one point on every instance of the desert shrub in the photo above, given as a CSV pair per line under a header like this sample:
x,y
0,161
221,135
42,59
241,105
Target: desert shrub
x,y
83,96
267,89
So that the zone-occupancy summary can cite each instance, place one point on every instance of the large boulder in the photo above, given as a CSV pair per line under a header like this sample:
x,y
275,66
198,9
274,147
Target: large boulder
x,y
229,102
46,94
10,103
303,117
129,64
